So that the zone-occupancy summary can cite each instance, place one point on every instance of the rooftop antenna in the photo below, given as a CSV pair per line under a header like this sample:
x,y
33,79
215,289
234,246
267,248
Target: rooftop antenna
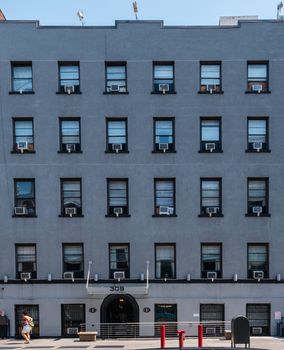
x,y
135,9
80,14
280,10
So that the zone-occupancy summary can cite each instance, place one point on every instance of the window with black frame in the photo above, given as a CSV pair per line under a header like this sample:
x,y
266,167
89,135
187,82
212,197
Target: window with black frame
x,y
164,138
166,314
73,260
257,77
211,197
116,78
257,196
70,135
163,77
259,316
116,135
69,77
212,318
164,197
211,260
117,197
24,197
258,260
258,135
210,77
26,261
73,316
119,260
210,134
165,256
71,197
22,77
23,135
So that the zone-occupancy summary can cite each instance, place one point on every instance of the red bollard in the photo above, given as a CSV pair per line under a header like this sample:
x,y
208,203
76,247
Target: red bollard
x,y
181,336
200,335
163,336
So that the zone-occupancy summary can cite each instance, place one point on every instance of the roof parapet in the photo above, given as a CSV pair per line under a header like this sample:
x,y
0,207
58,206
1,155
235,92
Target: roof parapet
x,y
233,20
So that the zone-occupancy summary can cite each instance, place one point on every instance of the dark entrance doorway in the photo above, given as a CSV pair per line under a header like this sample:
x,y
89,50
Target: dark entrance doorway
x,y
119,316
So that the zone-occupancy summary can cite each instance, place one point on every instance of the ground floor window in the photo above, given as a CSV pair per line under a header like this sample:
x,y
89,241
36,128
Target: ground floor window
x,y
166,314
73,317
259,318
33,311
212,318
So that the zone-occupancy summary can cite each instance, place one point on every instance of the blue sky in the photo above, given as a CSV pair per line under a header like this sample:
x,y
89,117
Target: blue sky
x,y
105,12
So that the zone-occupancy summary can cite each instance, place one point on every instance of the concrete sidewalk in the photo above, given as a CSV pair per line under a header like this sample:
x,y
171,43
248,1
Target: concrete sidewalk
x,y
259,343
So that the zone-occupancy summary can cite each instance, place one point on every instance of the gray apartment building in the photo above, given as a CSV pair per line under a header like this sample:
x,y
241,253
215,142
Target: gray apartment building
x,y
142,167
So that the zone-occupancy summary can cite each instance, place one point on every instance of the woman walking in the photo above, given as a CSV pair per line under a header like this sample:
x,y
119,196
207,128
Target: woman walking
x,y
26,322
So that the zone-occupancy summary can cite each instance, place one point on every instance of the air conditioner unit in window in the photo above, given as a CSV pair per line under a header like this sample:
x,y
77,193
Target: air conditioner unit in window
x,y
163,147
212,275
68,276
72,331
118,211
164,88
119,275
70,211
114,88
21,211
22,146
69,89
210,331
256,87
164,210
26,276
211,88
211,210
257,210
116,147
210,146
258,275
257,146
256,330
70,147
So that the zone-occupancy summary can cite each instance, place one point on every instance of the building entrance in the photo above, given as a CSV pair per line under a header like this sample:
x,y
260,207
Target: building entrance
x,y
119,316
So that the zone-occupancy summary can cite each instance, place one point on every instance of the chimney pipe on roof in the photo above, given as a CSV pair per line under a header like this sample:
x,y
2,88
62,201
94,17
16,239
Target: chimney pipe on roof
x,y
2,17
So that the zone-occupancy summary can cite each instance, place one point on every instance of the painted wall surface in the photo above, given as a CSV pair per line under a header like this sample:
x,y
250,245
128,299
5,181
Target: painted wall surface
x,y
140,43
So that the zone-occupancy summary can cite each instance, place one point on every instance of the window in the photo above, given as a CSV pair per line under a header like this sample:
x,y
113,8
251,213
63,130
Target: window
x,y
259,318
211,260
210,134
116,135
163,81
165,313
33,311
116,78
73,260
212,318
257,77
257,196
22,77
211,197
165,257
164,197
119,259
258,135
24,197
23,135
164,138
258,259
117,197
71,197
70,135
73,316
69,77
26,261
210,77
